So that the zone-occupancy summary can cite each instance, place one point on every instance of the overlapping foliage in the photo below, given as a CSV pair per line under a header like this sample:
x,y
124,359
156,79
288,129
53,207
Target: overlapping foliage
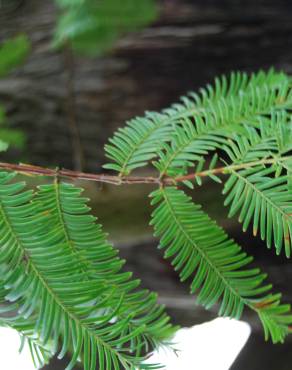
x,y
62,285
199,247
188,130
246,121
64,276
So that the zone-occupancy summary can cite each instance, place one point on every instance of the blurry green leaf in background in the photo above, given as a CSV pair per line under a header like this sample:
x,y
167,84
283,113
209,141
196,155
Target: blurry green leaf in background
x,y
12,53
93,26
3,144
9,135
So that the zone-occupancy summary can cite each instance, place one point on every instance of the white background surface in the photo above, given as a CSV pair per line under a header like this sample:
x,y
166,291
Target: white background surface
x,y
10,359
210,346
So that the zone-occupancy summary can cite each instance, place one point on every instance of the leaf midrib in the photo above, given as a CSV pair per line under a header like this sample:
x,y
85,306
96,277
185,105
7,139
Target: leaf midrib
x,y
84,263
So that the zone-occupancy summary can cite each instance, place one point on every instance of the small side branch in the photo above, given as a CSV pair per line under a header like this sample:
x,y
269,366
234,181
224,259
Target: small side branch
x,y
228,169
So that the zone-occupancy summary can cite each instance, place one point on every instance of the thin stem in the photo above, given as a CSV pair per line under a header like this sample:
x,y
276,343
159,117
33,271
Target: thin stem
x,y
29,169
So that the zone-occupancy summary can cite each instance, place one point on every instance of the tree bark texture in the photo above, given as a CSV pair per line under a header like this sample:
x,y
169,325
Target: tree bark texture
x,y
190,43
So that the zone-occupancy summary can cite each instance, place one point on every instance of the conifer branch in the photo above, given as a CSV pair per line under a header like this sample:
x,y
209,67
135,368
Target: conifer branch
x,y
28,169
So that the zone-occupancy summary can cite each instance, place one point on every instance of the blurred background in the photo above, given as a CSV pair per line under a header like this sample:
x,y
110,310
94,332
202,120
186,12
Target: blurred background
x,y
65,97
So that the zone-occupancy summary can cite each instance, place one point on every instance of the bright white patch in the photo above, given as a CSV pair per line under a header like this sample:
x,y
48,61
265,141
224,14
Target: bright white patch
x,y
10,358
210,346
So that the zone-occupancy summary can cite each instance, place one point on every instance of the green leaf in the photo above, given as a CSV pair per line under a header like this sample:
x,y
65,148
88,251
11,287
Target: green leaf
x,y
202,252
92,27
58,264
3,146
260,194
136,144
263,201
213,127
9,136
200,123
13,52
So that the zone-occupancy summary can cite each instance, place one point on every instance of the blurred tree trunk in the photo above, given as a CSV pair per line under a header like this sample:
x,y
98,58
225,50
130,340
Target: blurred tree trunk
x,y
190,43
